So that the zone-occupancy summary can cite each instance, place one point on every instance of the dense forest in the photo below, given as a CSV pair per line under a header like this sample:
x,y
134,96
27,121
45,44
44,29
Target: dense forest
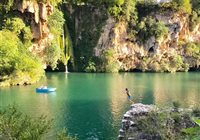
x,y
96,36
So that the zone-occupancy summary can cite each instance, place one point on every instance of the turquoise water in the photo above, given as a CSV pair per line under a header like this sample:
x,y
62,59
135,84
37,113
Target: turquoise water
x,y
91,106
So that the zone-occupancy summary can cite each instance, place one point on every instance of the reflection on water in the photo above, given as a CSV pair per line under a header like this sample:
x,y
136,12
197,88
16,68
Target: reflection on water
x,y
91,105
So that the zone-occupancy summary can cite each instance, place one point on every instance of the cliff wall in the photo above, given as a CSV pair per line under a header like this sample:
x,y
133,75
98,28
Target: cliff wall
x,y
36,15
168,53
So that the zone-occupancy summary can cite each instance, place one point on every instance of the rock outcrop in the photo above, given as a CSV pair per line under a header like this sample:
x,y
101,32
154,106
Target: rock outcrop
x,y
35,14
145,122
130,53
128,121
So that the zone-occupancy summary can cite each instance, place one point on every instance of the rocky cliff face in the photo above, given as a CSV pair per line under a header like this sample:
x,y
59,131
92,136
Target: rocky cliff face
x,y
94,33
85,24
153,54
35,14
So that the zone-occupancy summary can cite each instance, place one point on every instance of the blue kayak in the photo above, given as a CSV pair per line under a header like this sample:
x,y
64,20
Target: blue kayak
x,y
45,90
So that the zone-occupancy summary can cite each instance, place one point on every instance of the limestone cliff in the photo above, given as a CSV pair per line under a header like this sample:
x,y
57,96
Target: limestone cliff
x,y
35,14
104,43
153,54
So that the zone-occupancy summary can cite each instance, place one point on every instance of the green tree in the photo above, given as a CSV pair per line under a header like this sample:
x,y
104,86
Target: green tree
x,y
52,55
184,5
16,62
56,22
14,24
8,52
110,64
196,6
150,27
129,9
15,125
6,5
159,29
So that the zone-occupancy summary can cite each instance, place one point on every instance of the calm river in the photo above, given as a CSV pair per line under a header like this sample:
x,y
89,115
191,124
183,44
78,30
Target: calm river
x,y
91,106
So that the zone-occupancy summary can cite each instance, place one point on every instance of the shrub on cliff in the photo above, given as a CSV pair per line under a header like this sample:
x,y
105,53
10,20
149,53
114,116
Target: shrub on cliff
x,y
194,20
110,64
150,27
192,49
176,63
178,5
15,25
57,46
5,6
18,27
56,21
196,6
124,10
184,5
91,67
52,54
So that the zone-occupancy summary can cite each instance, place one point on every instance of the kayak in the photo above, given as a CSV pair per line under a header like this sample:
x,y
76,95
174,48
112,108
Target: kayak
x,y
45,89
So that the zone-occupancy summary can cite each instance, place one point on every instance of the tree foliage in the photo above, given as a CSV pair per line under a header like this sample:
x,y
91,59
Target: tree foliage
x,y
56,21
15,58
52,55
8,52
150,27
14,25
6,5
184,5
15,125
129,9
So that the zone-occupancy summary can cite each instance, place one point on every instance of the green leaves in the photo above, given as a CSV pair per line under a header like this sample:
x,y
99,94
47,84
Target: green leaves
x,y
14,24
6,5
16,60
197,121
192,49
15,125
150,27
184,5
193,133
52,54
8,52
56,22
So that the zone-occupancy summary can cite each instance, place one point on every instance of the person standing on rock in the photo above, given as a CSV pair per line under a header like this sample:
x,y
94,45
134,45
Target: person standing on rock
x,y
128,95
